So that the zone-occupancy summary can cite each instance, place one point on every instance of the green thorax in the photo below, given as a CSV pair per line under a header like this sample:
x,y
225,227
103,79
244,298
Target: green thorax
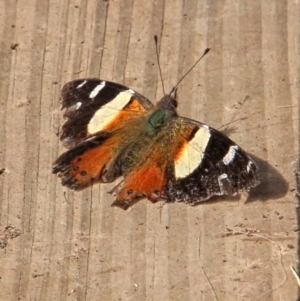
x,y
157,120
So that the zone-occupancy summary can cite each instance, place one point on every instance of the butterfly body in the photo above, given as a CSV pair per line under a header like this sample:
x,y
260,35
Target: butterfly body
x,y
112,131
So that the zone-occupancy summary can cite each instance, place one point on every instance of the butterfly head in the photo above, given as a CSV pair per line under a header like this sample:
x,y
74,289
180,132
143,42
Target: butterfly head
x,y
169,101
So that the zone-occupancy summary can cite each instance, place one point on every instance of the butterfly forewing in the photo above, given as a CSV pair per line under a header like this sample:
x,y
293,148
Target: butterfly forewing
x,y
210,164
88,101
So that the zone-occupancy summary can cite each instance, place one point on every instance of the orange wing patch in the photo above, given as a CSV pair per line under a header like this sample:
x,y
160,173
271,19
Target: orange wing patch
x,y
147,180
81,165
132,110
88,166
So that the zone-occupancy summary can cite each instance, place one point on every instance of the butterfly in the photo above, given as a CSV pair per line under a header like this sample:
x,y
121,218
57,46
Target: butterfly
x,y
112,131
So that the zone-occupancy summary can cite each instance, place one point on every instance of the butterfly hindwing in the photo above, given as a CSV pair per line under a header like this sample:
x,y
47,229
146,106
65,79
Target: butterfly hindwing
x,y
80,165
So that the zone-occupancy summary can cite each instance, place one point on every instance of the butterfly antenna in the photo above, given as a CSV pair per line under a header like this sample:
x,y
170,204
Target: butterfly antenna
x,y
158,63
204,53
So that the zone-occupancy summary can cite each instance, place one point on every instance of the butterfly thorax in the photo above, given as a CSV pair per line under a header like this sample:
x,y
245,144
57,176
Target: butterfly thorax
x,y
166,109
157,120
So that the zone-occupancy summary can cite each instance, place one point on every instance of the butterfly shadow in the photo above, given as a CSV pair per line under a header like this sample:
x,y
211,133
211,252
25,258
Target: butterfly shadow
x,y
272,184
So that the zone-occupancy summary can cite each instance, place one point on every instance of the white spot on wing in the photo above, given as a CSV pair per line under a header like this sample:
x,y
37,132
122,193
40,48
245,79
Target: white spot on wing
x,y
230,154
193,153
107,113
131,91
74,107
222,177
220,180
97,89
249,166
82,84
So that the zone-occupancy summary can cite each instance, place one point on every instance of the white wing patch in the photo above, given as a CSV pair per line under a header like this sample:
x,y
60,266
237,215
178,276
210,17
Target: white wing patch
x,y
230,154
249,165
97,89
82,84
192,155
221,184
74,107
107,113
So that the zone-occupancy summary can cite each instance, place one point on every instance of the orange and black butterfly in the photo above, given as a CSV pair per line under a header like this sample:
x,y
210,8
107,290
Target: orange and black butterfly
x,y
112,131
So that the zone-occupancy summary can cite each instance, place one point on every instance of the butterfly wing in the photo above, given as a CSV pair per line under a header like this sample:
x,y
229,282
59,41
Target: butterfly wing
x,y
186,161
189,162
102,118
92,104
209,164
